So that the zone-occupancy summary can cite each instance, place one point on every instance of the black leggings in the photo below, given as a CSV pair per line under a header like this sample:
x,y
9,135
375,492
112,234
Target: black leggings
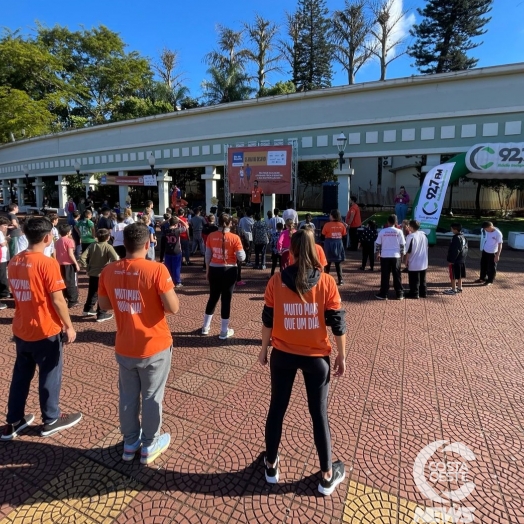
x,y
275,259
337,267
222,282
316,373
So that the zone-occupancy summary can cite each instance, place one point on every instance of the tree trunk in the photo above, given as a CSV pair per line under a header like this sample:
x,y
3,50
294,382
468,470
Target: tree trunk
x,y
477,199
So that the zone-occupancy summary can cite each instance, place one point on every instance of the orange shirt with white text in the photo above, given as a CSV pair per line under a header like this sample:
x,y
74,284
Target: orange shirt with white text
x,y
334,229
300,327
224,248
133,287
32,279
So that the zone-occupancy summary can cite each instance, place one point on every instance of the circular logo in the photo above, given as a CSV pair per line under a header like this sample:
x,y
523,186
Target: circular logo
x,y
433,205
473,160
442,471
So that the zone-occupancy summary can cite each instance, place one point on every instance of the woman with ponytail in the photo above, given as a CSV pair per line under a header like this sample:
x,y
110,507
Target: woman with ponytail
x,y
300,303
223,251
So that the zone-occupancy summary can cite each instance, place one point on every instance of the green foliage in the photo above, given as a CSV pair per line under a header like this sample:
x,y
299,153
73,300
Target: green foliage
x,y
443,38
280,88
228,84
315,172
314,50
504,189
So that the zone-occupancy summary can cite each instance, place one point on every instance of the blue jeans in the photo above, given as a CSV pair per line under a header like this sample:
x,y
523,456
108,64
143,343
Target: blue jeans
x,y
47,355
401,210
174,264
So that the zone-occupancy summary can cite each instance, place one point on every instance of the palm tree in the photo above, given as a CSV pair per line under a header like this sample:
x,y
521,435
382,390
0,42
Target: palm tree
x,y
226,85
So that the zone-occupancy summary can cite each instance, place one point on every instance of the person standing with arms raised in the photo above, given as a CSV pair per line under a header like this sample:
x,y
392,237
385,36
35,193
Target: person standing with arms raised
x,y
223,251
401,204
299,304
141,293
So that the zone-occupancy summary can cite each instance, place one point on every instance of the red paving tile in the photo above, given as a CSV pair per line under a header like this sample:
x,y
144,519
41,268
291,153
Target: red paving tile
x,y
444,368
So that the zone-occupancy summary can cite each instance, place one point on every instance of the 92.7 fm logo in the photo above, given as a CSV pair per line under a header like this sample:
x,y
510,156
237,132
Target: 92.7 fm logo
x,y
484,157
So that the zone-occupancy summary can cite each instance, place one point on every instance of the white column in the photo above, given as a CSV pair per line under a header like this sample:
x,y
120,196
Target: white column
x,y
39,191
6,193
20,185
62,193
210,177
90,182
269,203
344,188
123,191
163,179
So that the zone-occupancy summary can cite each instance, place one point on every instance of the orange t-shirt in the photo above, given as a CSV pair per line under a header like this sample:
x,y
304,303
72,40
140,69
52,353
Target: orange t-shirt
x,y
230,245
32,279
320,255
133,287
357,220
334,230
256,196
300,327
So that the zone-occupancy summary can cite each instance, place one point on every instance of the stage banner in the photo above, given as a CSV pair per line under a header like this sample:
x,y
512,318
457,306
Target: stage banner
x,y
488,161
432,195
269,165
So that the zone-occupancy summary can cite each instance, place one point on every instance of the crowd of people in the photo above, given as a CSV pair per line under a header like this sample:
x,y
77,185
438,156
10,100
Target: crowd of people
x,y
125,282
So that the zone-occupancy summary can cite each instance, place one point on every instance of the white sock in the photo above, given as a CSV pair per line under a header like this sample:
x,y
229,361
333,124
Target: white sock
x,y
225,325
207,321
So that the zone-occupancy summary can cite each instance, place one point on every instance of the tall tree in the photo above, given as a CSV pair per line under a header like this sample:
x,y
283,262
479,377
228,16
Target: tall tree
x,y
314,50
289,46
350,33
230,50
168,68
444,36
263,55
389,19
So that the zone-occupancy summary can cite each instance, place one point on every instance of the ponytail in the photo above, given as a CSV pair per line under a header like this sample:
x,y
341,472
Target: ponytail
x,y
305,255
224,221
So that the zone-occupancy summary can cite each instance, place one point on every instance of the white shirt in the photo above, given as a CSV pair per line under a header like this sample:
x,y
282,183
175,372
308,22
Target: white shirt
x,y
118,234
492,240
418,257
392,241
274,221
4,257
290,213
50,249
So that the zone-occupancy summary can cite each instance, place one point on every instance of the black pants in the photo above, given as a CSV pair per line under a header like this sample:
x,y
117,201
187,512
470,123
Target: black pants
x,y
488,267
338,269
239,271
4,283
249,248
316,371
368,251
222,282
69,275
417,283
390,266
120,251
260,254
353,238
275,259
92,296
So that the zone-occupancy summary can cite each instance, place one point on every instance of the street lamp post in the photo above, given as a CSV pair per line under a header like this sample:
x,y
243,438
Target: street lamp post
x,y
152,160
341,145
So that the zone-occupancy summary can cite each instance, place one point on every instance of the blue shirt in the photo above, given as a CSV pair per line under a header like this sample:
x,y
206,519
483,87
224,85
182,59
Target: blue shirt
x,y
152,231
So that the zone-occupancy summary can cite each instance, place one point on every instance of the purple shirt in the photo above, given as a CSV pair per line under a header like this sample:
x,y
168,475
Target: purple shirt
x,y
404,199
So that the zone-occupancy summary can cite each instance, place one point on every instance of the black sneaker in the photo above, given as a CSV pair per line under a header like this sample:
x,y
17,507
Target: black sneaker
x,y
102,317
340,282
381,297
12,431
89,313
400,297
326,487
413,297
271,473
65,421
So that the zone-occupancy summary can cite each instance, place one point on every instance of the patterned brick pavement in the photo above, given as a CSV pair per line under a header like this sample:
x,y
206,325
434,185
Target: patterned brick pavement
x,y
445,368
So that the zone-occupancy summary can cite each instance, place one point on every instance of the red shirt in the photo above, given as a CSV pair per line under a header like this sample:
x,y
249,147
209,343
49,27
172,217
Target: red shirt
x,y
62,247
256,196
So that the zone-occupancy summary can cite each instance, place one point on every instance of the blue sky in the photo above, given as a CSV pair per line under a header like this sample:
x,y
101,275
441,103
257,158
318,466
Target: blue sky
x,y
189,28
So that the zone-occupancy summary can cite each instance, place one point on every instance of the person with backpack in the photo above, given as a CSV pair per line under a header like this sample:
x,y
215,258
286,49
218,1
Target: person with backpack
x,y
416,260
457,253
173,250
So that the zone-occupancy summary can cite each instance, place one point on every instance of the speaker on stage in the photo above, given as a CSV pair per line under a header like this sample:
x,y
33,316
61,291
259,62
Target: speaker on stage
x,y
329,197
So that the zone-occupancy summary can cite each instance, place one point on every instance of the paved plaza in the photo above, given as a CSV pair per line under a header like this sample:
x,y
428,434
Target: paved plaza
x,y
447,368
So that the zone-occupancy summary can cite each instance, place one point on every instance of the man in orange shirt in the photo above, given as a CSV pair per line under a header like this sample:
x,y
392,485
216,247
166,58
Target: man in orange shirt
x,y
256,197
140,292
40,317
353,222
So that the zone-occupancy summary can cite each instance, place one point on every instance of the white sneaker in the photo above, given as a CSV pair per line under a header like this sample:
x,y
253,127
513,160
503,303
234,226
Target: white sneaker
x,y
226,334
205,331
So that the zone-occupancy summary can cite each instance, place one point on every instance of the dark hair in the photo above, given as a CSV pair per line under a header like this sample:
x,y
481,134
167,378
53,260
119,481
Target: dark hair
x,y
414,224
4,221
308,215
269,213
135,237
256,216
402,187
64,229
35,229
224,221
227,210
305,255
456,226
249,212
392,219
88,212
372,225
52,216
120,217
103,234
76,214
181,212
353,198
335,213
149,203
276,211
487,224
167,216
280,225
173,221
11,207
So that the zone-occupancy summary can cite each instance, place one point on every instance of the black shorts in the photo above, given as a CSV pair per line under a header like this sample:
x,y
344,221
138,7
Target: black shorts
x,y
457,270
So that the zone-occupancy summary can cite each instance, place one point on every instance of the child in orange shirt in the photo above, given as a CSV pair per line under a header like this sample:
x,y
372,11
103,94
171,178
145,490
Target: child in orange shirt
x,y
332,233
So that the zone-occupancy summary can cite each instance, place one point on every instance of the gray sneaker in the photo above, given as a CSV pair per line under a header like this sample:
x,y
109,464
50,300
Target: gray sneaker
x,y
63,422
226,334
102,317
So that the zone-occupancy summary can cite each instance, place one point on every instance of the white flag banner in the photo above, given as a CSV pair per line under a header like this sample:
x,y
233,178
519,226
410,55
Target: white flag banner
x,y
432,195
